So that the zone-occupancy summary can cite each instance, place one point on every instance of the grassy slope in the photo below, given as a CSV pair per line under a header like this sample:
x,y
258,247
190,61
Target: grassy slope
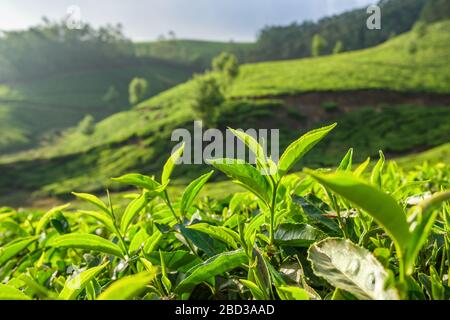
x,y
117,147
30,108
389,66
189,52
215,190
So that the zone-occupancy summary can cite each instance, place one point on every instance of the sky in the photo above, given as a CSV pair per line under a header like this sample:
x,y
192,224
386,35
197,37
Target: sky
x,y
224,20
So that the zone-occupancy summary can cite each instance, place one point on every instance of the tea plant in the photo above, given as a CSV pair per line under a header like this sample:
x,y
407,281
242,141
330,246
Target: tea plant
x,y
344,233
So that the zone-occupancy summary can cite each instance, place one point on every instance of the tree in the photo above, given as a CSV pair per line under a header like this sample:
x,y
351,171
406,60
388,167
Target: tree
x,y
87,125
338,47
231,67
318,45
436,10
138,90
223,61
420,29
208,98
111,96
227,64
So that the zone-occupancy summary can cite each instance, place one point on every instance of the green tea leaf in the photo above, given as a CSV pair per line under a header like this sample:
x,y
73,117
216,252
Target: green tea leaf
x,y
297,235
11,293
315,214
221,233
138,180
36,287
376,177
262,162
47,216
245,175
346,163
138,240
75,285
128,287
170,164
95,201
421,219
300,147
152,242
180,261
133,209
257,293
212,267
351,268
293,293
14,248
102,217
381,206
192,191
203,241
361,168
85,241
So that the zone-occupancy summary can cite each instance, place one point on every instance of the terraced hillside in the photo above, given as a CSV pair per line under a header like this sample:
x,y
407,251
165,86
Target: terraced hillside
x,y
33,108
196,53
403,85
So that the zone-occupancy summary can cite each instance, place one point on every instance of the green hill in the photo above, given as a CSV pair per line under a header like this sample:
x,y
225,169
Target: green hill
x,y
30,109
196,53
139,139
410,62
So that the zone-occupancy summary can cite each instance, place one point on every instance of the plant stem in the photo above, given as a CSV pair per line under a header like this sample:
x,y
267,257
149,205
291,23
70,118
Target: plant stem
x,y
272,211
447,249
119,234
169,204
340,220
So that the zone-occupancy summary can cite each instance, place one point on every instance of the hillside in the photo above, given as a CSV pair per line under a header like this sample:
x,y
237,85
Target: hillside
x,y
412,62
138,140
195,53
30,109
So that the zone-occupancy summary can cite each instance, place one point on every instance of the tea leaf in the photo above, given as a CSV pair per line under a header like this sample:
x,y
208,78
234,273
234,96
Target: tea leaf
x,y
170,164
11,293
212,267
101,217
351,268
47,216
421,219
192,191
221,233
245,175
128,287
346,163
361,168
12,249
86,242
138,180
297,235
257,293
75,285
134,208
377,171
381,206
300,147
94,200
262,162
293,293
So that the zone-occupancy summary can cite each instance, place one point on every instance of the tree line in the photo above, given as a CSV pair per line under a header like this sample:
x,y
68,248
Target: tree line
x,y
344,32
52,47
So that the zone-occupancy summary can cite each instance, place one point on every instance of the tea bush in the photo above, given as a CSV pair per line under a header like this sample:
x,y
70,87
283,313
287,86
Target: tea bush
x,y
344,233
